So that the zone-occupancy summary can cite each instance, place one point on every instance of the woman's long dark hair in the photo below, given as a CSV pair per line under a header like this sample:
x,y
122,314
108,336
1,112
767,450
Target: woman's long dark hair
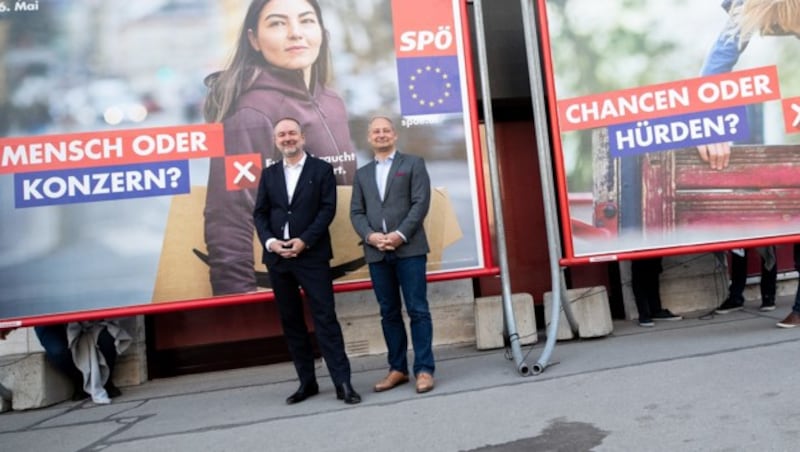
x,y
226,86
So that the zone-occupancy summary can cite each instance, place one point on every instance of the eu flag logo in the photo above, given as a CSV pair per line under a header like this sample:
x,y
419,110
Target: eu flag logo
x,y
429,85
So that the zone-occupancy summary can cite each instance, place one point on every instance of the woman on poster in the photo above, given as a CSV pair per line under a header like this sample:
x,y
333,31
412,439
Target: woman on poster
x,y
280,68
748,18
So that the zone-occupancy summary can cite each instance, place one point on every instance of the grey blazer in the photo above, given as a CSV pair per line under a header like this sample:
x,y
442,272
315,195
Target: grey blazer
x,y
405,205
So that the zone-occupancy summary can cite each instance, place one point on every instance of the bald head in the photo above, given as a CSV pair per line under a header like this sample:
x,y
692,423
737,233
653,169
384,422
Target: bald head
x,y
381,135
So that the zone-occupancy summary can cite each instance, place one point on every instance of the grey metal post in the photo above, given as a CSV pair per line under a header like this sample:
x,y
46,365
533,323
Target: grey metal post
x,y
548,194
505,279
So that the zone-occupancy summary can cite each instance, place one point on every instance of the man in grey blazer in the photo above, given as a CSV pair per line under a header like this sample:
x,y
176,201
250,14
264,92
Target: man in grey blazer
x,y
391,196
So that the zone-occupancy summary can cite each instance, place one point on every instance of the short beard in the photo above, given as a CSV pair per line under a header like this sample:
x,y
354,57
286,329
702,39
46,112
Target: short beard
x,y
290,151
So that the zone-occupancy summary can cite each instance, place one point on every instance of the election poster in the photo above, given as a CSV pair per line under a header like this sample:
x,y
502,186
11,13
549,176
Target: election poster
x,y
133,134
674,124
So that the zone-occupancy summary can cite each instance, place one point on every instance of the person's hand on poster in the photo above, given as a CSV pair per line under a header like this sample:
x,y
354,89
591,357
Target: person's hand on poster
x,y
717,155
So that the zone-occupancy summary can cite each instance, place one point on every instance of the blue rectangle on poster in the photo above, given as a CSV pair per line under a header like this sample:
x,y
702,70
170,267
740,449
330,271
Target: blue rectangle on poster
x,y
429,85
83,185
675,132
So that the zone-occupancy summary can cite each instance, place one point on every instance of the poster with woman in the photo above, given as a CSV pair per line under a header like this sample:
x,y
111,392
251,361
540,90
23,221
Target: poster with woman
x,y
133,135
675,124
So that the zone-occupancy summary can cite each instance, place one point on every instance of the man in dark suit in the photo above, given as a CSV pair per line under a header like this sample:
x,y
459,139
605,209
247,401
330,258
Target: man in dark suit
x,y
295,205
391,197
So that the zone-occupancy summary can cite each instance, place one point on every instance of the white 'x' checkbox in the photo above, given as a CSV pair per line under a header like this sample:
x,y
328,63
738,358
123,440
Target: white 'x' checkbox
x,y
244,171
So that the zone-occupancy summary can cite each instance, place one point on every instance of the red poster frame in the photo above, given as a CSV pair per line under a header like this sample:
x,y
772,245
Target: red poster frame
x,y
567,225
484,235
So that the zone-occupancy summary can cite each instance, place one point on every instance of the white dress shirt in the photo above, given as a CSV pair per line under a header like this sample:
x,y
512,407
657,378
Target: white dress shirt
x,y
291,173
382,173
381,177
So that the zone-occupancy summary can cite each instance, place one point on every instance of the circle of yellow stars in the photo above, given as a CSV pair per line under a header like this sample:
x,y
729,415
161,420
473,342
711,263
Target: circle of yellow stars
x,y
429,102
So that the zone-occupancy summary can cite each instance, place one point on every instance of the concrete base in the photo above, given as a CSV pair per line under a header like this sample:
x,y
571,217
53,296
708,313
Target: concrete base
x,y
131,367
591,311
689,283
33,382
786,287
451,312
489,325
5,399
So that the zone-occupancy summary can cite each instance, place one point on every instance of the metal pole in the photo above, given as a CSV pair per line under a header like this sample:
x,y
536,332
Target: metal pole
x,y
546,175
508,309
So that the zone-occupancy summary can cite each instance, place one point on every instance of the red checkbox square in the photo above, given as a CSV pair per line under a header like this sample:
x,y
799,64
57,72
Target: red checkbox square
x,y
242,171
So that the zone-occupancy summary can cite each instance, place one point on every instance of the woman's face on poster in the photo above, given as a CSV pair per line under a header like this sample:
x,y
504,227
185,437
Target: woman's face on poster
x,y
288,35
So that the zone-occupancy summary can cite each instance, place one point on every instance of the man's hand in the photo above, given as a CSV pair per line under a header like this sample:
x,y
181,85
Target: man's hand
x,y
394,240
716,154
381,241
287,249
294,247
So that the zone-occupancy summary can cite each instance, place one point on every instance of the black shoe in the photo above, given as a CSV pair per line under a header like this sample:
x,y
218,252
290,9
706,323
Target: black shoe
x,y
305,391
665,314
79,395
729,305
645,322
767,304
348,394
112,390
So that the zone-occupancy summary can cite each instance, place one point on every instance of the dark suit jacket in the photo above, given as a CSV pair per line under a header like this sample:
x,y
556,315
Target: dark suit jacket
x,y
405,205
310,213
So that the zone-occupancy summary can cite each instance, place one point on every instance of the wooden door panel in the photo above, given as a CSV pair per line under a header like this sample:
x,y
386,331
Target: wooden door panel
x,y
760,186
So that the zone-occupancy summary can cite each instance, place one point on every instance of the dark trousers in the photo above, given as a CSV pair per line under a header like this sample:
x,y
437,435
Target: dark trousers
x,y
645,275
56,347
769,279
315,279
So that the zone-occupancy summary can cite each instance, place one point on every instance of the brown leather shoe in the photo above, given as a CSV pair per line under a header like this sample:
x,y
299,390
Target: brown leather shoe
x,y
792,320
424,382
394,378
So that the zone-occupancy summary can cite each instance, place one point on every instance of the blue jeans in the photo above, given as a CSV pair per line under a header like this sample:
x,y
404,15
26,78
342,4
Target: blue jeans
x,y
389,277
54,341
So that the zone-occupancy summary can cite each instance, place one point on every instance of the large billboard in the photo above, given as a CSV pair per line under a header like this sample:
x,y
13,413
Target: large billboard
x,y
674,124
133,134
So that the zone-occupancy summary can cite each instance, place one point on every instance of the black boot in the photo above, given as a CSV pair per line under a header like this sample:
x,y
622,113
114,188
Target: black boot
x,y
305,391
346,392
